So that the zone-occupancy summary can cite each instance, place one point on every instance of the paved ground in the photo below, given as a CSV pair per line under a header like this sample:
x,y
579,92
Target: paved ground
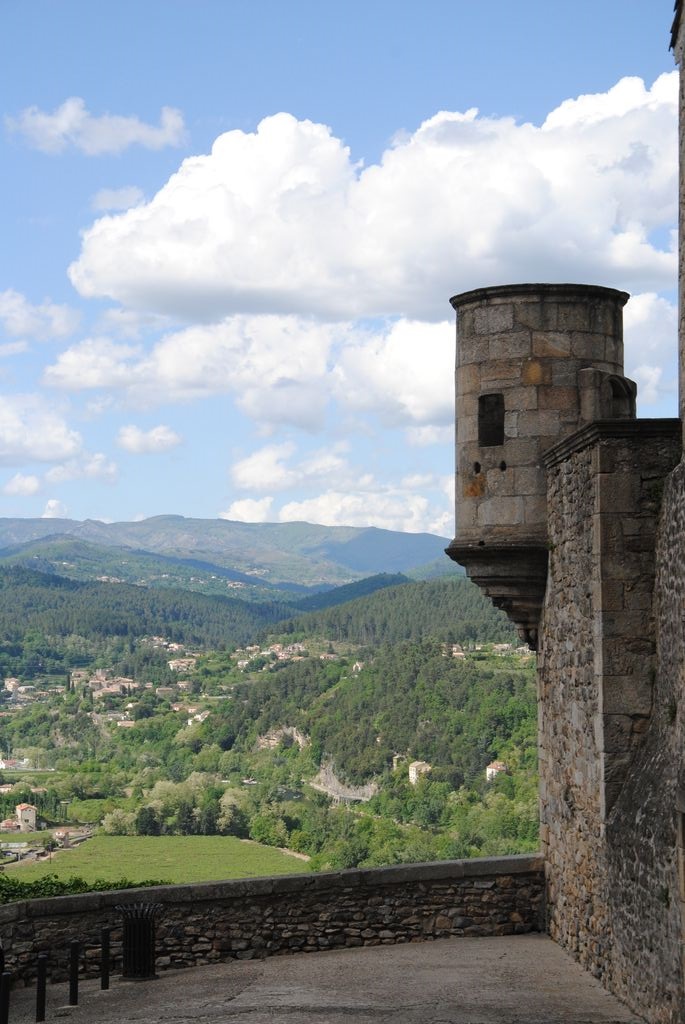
x,y
522,980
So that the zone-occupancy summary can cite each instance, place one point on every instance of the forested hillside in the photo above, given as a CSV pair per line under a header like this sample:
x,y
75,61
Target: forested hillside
x,y
52,606
408,698
274,715
450,609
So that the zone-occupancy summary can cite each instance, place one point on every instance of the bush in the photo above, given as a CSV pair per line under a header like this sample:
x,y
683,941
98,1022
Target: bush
x,y
12,889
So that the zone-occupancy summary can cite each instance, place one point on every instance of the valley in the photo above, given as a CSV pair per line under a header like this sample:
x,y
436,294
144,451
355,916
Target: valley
x,y
351,726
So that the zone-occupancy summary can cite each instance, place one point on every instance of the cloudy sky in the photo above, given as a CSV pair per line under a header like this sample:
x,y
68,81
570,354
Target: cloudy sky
x,y
231,229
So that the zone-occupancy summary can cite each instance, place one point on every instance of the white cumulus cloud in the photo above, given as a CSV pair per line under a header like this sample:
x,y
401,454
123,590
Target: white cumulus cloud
x,y
405,373
72,125
96,466
283,220
55,509
22,484
249,510
274,366
390,508
651,348
271,467
146,442
33,431
19,317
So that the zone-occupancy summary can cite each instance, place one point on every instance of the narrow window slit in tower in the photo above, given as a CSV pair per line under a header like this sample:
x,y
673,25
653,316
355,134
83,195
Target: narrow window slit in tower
x,y
490,420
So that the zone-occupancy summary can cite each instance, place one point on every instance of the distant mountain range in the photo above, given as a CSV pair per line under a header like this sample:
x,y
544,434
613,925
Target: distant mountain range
x,y
217,556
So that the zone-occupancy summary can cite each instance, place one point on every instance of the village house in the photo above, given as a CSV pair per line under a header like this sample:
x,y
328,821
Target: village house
x,y
26,817
494,769
417,769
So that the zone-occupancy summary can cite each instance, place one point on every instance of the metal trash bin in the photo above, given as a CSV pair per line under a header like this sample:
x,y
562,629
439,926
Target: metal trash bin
x,y
139,940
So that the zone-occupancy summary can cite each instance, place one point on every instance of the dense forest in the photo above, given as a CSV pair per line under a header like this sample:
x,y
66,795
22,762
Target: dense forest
x,y
451,609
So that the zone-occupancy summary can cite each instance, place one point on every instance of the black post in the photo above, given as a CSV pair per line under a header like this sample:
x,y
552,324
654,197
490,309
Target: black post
x,y
104,957
74,949
5,982
41,979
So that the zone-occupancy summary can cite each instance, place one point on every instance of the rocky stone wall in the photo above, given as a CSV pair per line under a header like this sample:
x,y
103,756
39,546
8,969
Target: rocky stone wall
x,y
645,856
569,712
201,924
610,683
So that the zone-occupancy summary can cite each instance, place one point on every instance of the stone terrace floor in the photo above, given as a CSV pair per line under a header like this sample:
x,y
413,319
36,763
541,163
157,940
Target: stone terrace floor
x,y
526,979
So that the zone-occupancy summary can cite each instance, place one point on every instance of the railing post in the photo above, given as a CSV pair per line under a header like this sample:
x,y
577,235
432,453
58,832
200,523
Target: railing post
x,y
104,957
41,981
5,982
74,949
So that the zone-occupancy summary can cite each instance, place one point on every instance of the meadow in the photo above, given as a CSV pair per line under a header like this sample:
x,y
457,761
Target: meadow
x,y
175,859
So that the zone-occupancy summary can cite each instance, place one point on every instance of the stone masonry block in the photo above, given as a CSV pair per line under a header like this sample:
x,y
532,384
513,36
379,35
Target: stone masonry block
x,y
564,373
540,316
606,319
500,482
639,595
548,344
522,451
468,379
626,695
467,429
539,424
616,494
490,319
618,734
588,346
565,399
497,370
465,321
572,317
467,404
520,398
529,480
533,372
471,348
514,345
535,509
511,424
607,595
502,511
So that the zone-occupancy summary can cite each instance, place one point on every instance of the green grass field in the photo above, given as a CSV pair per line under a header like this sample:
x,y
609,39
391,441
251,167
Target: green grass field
x,y
171,858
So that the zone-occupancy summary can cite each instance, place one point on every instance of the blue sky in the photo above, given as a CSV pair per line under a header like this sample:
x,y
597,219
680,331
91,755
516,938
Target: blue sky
x,y
231,231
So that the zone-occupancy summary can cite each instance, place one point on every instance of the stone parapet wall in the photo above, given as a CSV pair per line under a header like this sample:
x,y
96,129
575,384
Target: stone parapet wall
x,y
211,922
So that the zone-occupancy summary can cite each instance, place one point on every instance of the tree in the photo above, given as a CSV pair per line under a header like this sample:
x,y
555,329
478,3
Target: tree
x,y
147,822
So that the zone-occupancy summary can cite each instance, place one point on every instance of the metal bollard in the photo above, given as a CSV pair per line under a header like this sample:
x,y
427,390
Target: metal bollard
x,y
104,957
5,982
74,949
41,981
139,940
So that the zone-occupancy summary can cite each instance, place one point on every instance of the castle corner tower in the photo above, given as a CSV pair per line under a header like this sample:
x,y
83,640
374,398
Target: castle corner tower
x,y
534,363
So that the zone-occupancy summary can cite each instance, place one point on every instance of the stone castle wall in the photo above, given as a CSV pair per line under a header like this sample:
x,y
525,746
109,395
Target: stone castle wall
x,y
645,856
211,922
608,688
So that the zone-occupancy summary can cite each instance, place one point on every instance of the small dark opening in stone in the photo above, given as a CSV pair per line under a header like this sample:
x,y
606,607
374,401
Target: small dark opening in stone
x,y
476,467
481,543
490,420
502,465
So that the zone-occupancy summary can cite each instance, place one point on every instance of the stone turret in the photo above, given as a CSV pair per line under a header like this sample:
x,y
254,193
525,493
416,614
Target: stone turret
x,y
534,363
